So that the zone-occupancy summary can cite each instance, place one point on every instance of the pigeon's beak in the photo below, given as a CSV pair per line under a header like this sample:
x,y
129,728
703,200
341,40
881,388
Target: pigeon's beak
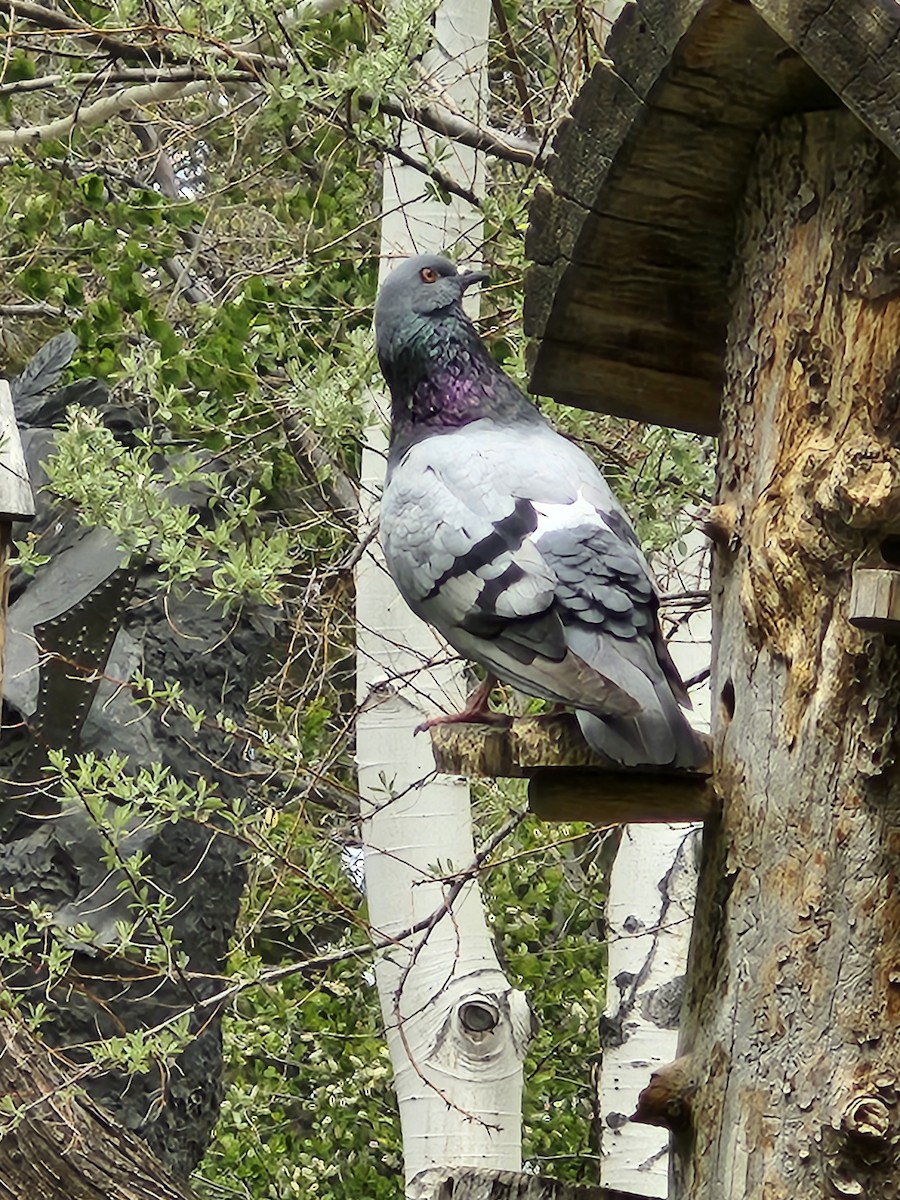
x,y
468,278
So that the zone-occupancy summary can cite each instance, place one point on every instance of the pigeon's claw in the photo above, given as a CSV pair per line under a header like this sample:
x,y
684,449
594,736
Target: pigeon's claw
x,y
476,711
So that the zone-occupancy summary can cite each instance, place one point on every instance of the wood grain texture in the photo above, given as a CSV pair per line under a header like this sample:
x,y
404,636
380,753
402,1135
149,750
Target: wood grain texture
x,y
792,1009
513,750
568,781
473,1183
875,600
66,1147
627,301
621,797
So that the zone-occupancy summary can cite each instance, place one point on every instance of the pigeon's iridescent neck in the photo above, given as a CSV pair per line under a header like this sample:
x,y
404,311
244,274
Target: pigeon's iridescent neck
x,y
441,378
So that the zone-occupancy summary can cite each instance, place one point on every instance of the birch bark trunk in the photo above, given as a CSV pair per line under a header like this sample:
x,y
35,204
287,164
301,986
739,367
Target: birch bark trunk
x,y
792,1018
652,889
457,1031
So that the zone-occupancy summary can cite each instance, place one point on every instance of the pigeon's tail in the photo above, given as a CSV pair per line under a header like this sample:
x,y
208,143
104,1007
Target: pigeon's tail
x,y
660,734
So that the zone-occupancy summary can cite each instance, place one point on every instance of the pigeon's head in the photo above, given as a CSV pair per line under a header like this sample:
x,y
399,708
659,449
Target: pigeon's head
x,y
427,285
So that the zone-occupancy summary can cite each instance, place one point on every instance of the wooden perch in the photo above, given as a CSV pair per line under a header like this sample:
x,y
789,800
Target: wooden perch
x,y
875,600
478,1183
568,782
16,499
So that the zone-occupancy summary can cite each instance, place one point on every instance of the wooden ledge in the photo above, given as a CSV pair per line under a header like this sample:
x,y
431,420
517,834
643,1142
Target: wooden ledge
x,y
482,1183
567,781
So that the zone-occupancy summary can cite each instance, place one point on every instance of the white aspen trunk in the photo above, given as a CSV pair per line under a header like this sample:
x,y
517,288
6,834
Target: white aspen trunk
x,y
650,906
456,1030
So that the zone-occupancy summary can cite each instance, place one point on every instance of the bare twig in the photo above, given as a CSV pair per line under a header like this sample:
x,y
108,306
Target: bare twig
x,y
443,180
154,53
318,466
50,18
699,677
38,309
495,142
163,175
518,70
106,78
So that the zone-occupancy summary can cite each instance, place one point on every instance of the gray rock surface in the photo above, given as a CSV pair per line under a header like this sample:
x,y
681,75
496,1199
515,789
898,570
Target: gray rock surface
x,y
58,858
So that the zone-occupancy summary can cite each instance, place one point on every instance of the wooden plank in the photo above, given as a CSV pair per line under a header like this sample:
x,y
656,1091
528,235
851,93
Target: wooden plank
x,y
875,600
486,751
16,500
5,550
578,376
568,781
621,797
479,1183
648,174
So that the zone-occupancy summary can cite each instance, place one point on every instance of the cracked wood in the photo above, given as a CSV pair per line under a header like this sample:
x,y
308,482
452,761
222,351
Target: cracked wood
x,y
792,1013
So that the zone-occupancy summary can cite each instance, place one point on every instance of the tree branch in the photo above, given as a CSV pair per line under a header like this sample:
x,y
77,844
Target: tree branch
x,y
443,181
318,467
38,309
49,18
104,78
518,71
58,1143
495,142
163,175
100,111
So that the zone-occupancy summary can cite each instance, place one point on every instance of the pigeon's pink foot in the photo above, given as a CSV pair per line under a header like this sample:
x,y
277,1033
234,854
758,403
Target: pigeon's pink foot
x,y
476,711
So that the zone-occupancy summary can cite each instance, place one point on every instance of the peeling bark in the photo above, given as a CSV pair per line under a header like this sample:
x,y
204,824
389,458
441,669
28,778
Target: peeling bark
x,y
55,1141
792,1013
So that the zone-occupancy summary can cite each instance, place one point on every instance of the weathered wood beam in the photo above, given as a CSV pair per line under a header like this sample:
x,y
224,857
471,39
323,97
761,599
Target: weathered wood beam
x,y
875,600
16,498
567,781
515,750
607,797
56,1142
791,1007
647,176
475,1183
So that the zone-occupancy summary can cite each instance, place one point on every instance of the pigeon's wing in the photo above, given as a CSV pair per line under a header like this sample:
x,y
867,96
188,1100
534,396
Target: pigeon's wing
x,y
604,587
608,604
459,531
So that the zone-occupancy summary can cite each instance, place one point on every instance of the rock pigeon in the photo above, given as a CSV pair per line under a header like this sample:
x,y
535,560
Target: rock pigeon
x,y
503,535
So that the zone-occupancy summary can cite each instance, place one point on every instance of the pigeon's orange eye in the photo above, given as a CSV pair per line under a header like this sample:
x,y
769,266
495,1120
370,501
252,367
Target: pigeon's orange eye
x,y
428,275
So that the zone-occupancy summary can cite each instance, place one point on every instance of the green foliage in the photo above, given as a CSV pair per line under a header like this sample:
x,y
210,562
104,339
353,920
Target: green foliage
x,y
230,317
310,1108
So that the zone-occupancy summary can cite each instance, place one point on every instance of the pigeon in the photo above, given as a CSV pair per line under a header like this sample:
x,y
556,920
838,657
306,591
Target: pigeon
x,y
503,535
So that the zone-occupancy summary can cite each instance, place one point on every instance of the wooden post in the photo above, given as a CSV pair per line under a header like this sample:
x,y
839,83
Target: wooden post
x,y
16,500
790,1084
